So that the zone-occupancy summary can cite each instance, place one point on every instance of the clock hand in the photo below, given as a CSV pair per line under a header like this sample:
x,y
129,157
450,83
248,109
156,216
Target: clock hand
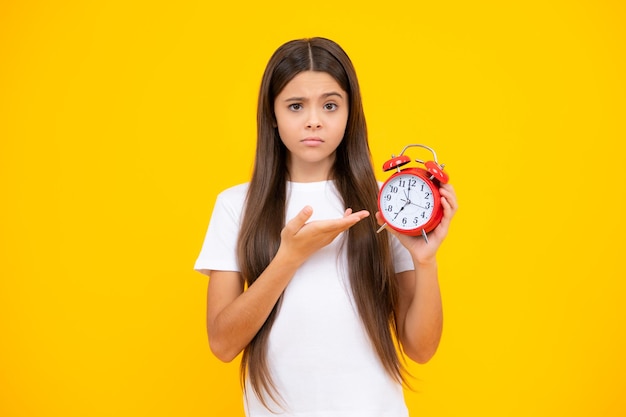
x,y
410,202
401,208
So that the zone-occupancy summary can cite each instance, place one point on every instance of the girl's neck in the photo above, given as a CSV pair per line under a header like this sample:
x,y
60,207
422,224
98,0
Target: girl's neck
x,y
313,172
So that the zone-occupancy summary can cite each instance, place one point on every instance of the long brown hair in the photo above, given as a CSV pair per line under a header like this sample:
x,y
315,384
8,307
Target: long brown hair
x,y
369,258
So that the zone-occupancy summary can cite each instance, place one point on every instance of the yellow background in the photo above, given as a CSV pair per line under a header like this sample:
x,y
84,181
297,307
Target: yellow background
x,y
121,121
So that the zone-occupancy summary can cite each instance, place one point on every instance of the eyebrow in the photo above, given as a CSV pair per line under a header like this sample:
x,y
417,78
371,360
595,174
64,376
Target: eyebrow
x,y
325,95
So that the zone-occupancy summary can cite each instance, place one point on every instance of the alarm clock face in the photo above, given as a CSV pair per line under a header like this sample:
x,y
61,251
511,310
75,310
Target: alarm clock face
x,y
407,202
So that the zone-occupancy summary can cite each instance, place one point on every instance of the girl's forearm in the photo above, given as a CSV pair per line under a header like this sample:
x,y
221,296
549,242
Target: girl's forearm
x,y
423,324
236,325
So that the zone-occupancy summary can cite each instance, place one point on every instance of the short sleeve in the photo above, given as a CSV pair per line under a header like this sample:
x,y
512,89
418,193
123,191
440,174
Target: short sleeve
x,y
219,249
402,260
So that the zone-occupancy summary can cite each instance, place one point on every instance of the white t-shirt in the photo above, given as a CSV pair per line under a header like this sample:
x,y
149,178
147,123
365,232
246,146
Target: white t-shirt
x,y
320,356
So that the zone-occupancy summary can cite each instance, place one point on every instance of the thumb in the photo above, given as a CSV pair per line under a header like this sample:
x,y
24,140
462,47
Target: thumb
x,y
300,220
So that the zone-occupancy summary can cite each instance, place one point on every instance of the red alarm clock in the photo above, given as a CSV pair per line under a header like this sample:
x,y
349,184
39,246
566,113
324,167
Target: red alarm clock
x,y
409,201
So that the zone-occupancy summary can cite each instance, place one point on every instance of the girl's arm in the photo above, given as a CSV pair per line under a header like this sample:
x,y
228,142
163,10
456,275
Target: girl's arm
x,y
419,314
234,316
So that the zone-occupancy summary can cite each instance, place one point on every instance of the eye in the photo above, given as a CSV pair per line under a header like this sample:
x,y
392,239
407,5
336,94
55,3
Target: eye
x,y
295,107
330,106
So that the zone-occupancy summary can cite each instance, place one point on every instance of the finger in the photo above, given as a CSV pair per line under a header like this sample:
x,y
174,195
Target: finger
x,y
346,222
448,187
449,193
353,218
448,213
450,197
299,221
379,218
361,214
347,212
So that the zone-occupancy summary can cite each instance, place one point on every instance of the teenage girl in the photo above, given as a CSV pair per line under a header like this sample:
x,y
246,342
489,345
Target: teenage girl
x,y
300,282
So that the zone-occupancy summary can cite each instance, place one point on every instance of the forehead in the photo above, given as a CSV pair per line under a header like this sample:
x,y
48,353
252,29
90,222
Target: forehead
x,y
311,84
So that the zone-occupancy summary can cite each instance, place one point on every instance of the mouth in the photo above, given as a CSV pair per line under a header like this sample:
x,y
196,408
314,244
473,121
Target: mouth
x,y
312,141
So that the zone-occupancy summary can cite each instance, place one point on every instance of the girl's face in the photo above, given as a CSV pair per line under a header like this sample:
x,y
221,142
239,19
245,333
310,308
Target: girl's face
x,y
311,115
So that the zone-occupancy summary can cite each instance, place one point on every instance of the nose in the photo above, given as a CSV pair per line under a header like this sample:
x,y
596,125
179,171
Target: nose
x,y
313,120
